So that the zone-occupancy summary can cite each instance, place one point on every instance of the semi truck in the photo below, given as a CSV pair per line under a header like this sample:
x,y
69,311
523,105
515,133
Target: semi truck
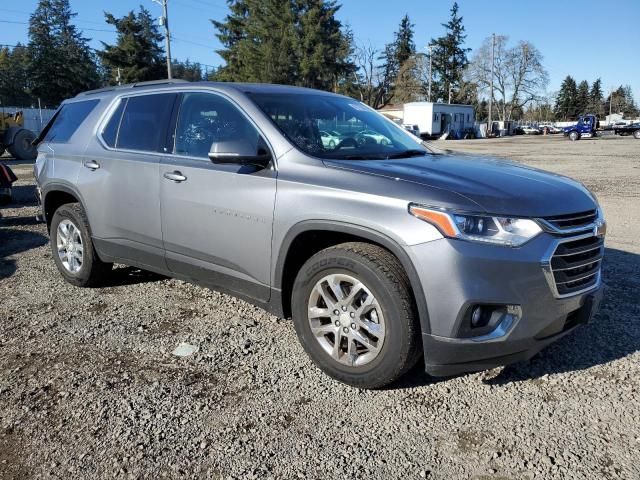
x,y
585,128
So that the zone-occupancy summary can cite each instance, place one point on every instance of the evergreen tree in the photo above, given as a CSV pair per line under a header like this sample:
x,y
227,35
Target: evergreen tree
x,y
596,99
297,42
582,98
14,77
137,53
399,67
566,102
61,62
191,72
450,58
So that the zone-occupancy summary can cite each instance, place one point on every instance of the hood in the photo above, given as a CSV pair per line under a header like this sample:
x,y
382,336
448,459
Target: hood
x,y
497,186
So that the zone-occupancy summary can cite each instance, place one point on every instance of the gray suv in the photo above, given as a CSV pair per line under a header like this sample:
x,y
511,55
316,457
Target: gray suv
x,y
382,249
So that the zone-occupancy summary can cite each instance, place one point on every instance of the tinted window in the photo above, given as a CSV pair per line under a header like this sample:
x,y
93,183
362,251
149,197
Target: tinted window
x,y
205,120
144,122
67,120
110,131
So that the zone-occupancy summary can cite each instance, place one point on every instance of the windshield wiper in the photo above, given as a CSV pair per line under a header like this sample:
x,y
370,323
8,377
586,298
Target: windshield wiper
x,y
408,153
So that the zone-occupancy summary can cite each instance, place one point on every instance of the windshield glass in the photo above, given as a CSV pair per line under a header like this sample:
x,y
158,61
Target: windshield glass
x,y
337,127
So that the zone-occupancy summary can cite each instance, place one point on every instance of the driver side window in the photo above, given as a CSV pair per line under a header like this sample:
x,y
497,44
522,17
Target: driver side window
x,y
207,119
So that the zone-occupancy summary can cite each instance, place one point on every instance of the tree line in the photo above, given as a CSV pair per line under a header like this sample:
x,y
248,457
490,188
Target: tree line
x,y
301,42
57,62
575,99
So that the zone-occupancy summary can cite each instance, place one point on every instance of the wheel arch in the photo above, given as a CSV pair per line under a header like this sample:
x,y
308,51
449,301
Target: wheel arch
x,y
55,195
309,237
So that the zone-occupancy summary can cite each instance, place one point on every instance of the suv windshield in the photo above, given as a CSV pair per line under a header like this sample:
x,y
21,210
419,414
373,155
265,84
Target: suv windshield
x,y
335,127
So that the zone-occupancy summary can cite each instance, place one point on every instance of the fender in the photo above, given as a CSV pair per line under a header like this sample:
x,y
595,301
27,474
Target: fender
x,y
367,233
58,187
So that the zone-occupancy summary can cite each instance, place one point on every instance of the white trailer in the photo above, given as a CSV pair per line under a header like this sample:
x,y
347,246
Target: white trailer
x,y
438,118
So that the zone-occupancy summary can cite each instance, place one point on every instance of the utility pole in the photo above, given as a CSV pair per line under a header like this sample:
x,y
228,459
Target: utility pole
x,y
430,48
493,47
164,22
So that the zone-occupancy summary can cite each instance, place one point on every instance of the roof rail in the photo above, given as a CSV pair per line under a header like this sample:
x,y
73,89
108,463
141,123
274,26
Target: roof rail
x,y
132,85
158,82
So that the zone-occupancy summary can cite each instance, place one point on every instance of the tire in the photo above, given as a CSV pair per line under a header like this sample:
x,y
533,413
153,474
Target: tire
x,y
391,320
636,134
90,271
573,136
332,144
21,148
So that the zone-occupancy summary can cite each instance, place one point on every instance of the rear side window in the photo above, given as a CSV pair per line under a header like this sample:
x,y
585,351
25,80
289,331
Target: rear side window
x,y
110,132
68,120
144,122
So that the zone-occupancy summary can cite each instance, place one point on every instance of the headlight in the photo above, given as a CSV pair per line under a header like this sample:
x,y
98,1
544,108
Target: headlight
x,y
508,231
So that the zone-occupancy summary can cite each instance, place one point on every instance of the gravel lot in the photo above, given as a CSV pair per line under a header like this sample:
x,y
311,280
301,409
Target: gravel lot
x,y
89,387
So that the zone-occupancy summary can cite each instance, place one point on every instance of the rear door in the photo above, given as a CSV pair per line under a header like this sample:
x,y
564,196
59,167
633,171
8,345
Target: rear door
x,y
216,218
119,179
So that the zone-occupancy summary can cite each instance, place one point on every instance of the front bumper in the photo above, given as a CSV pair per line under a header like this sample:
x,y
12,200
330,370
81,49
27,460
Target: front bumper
x,y
456,275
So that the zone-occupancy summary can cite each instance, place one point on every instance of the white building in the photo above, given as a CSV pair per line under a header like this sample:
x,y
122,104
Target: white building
x,y
438,118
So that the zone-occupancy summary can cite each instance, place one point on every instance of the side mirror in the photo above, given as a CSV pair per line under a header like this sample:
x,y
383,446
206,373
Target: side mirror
x,y
239,153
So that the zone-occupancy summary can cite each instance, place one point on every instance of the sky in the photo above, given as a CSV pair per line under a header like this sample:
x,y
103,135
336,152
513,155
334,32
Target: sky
x,y
586,39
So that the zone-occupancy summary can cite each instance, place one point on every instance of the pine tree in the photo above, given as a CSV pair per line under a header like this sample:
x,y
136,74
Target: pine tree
x,y
450,58
566,102
582,98
297,42
596,100
138,52
399,67
61,62
191,72
14,77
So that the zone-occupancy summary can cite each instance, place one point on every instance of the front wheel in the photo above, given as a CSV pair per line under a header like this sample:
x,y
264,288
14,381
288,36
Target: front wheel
x,y
573,136
72,248
355,316
636,134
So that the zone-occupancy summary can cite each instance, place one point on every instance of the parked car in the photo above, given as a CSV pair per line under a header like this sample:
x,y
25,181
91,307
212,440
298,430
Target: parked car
x,y
631,129
412,129
381,253
529,130
371,136
329,139
550,129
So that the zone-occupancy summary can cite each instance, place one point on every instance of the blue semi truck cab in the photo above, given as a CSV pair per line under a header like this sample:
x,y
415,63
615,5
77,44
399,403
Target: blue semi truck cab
x,y
585,128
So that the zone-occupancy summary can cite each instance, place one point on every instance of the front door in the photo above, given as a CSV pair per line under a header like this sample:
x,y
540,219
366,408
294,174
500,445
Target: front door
x,y
216,218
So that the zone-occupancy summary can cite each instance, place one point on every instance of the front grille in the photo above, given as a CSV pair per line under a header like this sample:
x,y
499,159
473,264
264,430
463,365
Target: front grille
x,y
576,264
572,220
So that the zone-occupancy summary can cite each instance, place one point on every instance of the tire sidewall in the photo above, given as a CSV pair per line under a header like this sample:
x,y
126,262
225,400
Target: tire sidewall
x,y
385,364
81,277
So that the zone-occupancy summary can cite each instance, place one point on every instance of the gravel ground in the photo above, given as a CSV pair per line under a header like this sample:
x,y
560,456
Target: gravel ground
x,y
89,387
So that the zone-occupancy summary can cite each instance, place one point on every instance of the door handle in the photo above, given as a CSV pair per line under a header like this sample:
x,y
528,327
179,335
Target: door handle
x,y
175,176
92,165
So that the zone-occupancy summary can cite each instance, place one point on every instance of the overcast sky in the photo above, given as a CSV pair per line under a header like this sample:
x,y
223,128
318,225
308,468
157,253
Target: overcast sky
x,y
586,39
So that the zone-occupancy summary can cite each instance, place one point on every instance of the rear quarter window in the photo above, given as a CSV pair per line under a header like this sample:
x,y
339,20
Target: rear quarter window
x,y
68,120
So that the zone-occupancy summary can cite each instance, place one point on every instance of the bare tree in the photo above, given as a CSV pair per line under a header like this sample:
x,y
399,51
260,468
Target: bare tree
x,y
519,76
368,75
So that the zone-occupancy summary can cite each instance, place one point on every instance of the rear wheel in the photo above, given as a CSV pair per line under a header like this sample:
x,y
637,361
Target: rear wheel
x,y
355,316
72,247
573,136
22,148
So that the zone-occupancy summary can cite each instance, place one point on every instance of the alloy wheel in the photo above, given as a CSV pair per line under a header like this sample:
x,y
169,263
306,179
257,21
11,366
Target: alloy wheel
x,y
346,319
69,244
